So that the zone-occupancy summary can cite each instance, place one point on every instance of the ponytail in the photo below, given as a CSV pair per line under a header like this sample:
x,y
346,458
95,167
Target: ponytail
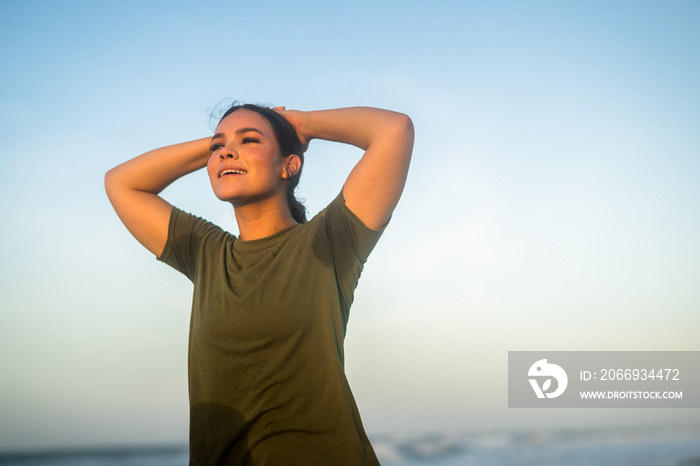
x,y
295,206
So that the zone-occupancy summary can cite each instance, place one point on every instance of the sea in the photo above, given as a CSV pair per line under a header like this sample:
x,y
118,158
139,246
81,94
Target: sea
x,y
630,446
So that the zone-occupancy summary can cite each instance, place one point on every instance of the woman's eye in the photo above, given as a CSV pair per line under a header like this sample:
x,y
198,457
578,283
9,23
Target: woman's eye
x,y
247,140
215,147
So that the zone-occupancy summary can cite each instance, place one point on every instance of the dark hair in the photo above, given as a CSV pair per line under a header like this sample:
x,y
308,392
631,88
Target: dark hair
x,y
289,144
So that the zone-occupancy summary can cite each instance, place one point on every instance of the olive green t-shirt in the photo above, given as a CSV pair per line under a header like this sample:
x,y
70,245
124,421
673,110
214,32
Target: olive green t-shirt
x,y
266,361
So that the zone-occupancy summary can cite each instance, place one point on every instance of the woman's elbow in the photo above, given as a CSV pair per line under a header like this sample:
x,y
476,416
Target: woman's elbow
x,y
113,181
110,180
404,122
404,127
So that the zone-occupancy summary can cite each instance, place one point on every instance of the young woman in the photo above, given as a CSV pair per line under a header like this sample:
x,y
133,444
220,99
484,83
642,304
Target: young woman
x,y
270,306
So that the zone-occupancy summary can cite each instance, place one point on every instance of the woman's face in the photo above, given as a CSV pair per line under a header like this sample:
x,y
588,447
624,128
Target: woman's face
x,y
246,165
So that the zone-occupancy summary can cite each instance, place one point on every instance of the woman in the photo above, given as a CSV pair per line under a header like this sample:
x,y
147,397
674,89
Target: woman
x,y
270,307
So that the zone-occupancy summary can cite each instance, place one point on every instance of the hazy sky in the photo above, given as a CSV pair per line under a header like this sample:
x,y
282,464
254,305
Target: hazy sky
x,y
552,204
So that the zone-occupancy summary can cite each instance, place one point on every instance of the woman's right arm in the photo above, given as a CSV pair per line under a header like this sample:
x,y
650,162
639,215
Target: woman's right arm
x,y
133,189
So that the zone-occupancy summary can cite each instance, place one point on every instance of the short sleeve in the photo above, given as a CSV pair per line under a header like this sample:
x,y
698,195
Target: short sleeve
x,y
351,243
347,232
186,236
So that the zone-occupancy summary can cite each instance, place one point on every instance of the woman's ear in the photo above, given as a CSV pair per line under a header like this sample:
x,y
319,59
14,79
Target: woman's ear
x,y
292,167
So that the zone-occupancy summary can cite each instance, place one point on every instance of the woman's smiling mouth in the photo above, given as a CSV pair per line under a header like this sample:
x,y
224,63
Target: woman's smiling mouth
x,y
232,171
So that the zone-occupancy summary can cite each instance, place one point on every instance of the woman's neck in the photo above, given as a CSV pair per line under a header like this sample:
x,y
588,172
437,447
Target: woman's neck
x,y
263,219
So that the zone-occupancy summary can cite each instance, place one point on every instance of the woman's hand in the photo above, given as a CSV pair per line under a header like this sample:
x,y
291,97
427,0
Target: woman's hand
x,y
375,184
297,119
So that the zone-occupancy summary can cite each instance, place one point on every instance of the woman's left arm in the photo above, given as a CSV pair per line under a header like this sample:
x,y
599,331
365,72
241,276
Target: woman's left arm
x,y
375,184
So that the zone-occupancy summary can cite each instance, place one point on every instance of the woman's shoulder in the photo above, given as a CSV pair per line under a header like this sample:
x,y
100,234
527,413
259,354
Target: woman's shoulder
x,y
188,232
183,220
337,212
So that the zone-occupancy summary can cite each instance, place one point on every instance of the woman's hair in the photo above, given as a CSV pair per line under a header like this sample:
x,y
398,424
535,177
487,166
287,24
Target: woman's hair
x,y
289,143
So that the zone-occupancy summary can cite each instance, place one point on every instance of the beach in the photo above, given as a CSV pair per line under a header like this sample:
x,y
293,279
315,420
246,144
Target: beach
x,y
621,446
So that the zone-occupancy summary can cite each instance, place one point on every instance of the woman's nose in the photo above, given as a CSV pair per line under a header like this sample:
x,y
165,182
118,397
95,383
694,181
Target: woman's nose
x,y
228,154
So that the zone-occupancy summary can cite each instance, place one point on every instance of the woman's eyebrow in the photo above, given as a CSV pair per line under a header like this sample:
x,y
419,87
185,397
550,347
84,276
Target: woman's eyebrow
x,y
247,130
239,131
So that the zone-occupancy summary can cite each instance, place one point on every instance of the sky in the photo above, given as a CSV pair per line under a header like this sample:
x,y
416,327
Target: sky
x,y
552,202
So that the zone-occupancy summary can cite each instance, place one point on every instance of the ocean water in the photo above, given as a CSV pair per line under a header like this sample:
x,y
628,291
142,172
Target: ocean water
x,y
677,446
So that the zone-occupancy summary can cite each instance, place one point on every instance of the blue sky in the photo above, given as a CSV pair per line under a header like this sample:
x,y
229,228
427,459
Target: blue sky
x,y
552,203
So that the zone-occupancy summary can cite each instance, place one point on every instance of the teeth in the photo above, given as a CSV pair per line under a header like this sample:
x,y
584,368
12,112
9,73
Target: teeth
x,y
235,172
